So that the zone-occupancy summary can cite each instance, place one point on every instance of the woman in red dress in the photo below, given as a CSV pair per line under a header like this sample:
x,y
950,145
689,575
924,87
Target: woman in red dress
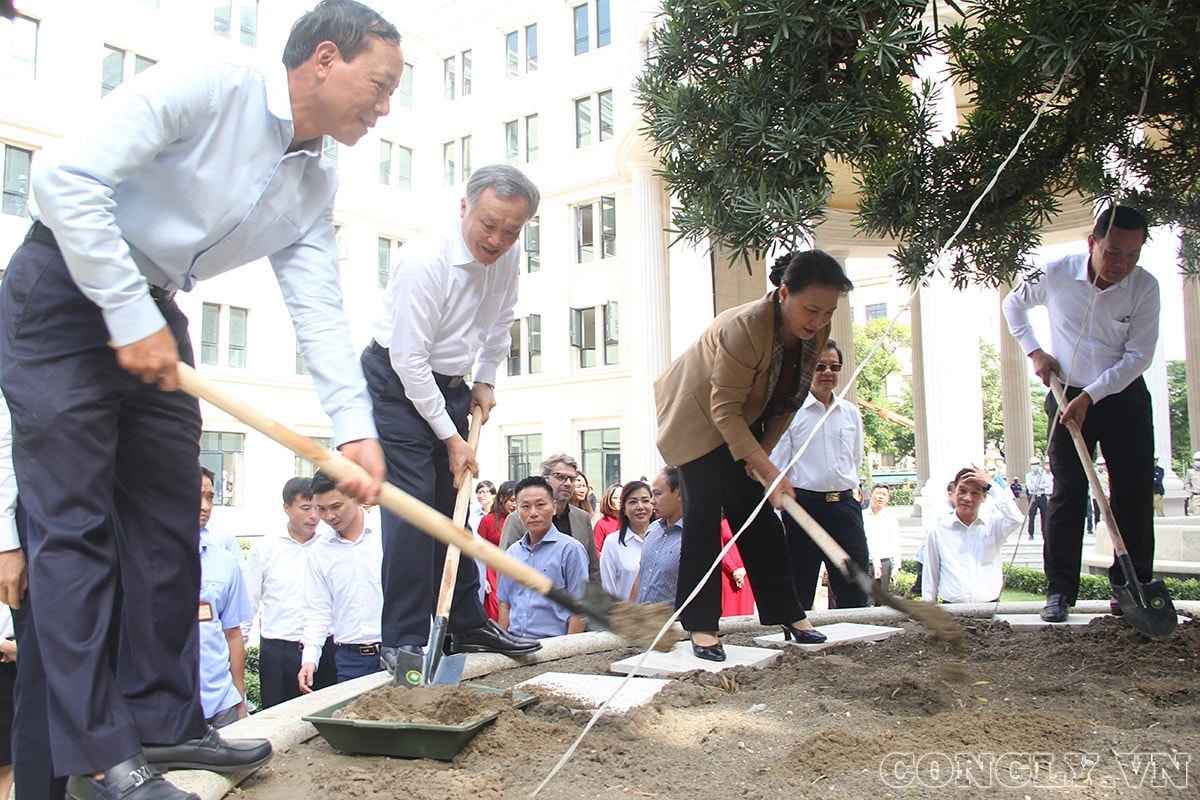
x,y
490,528
737,598
610,516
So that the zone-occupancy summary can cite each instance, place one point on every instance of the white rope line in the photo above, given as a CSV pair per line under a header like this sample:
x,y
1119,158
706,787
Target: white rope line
x,y
942,253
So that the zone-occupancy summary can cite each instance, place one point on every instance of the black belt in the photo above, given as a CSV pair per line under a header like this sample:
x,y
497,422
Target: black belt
x,y
38,232
827,497
286,644
443,381
372,649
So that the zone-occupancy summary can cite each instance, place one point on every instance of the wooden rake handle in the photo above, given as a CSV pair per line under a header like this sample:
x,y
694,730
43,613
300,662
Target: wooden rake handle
x,y
461,504
393,499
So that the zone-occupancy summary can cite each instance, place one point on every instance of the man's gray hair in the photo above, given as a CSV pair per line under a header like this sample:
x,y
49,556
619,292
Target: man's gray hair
x,y
506,182
559,458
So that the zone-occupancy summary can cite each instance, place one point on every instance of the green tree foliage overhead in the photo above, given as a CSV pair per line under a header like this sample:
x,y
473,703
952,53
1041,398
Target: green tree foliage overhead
x,y
993,402
750,105
880,436
1181,442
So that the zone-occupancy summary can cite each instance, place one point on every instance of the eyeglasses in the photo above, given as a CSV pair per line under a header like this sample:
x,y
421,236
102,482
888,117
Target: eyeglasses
x,y
831,367
561,476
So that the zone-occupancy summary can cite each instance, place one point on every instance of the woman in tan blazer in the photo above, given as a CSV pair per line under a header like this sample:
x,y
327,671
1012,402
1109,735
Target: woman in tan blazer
x,y
722,406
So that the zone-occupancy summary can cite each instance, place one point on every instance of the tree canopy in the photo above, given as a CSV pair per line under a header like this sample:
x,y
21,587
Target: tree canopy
x,y
752,105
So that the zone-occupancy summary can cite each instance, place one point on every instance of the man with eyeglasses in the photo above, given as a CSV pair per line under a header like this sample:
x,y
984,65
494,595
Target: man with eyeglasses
x,y
1103,311
825,477
561,470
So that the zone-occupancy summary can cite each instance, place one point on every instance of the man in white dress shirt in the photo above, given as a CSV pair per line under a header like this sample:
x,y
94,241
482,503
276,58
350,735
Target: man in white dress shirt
x,y
825,478
274,577
341,589
438,343
962,548
1039,483
883,536
1104,312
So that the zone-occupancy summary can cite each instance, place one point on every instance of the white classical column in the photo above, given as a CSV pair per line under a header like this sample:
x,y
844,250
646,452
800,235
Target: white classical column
x,y
953,392
1191,332
649,313
921,434
1014,400
842,332
1160,259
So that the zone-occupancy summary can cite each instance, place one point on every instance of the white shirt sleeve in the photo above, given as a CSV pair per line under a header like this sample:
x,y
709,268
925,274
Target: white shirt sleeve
x,y
9,540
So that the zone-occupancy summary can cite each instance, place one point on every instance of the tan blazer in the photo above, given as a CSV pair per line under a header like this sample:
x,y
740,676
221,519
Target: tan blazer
x,y
714,391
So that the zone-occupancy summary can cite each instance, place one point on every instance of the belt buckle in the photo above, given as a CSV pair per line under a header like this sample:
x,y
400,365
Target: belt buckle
x,y
833,497
368,649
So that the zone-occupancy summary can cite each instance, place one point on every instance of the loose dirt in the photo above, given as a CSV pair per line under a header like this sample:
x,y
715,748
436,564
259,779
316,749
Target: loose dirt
x,y
1097,712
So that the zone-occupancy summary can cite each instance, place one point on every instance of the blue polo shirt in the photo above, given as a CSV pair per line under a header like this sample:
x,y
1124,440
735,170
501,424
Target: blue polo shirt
x,y
228,606
560,558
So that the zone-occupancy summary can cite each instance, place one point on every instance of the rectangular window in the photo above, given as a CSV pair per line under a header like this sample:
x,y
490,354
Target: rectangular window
x,y
222,11
512,61
112,70
406,86
301,366
612,347
466,157
512,147
223,453
876,311
210,324
448,78
329,149
534,327
531,48
245,12
238,323
583,122
581,29
585,233
387,251
585,230
449,169
141,64
606,115
385,162
16,180
583,335
514,348
18,47
600,455
524,455
603,24
531,138
249,22
403,170
466,72
608,227
533,244
304,468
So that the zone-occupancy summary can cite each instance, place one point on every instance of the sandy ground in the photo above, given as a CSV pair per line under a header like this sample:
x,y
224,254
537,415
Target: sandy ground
x,y
1098,712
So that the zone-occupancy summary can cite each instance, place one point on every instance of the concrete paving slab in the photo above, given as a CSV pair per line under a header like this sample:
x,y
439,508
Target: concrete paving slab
x,y
680,660
1025,622
837,633
592,690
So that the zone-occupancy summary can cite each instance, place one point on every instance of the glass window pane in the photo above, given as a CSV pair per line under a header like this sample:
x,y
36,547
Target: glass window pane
x,y
584,233
587,348
210,320
17,162
608,226
603,24
511,60
466,157
141,64
404,168
222,13
19,38
581,29
448,168
531,48
383,269
533,244
524,455
583,122
512,149
406,86
514,348
249,26
611,333
534,326
112,70
466,72
606,116
238,319
448,78
329,149
531,138
385,162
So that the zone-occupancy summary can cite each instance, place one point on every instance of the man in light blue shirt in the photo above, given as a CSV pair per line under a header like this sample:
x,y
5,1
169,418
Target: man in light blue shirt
x,y
658,575
224,606
186,172
524,612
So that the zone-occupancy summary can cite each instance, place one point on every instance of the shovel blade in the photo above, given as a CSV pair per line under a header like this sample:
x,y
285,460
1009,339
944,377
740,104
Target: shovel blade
x,y
448,671
1148,608
410,670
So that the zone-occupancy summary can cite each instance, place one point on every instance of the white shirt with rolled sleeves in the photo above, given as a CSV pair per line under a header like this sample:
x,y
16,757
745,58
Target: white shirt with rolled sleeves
x,y
1103,339
342,592
883,537
9,539
962,562
274,576
185,175
833,458
445,312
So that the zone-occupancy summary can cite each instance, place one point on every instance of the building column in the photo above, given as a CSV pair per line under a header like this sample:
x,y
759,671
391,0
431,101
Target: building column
x,y
1191,332
1016,402
649,314
920,418
842,332
953,394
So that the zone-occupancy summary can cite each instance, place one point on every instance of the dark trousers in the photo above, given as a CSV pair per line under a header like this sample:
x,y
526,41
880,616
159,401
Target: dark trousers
x,y
418,463
709,485
1038,502
108,469
353,664
1122,425
885,576
279,664
843,521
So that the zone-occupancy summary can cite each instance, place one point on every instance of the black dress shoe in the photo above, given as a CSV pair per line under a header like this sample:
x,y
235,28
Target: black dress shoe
x,y
491,638
1056,608
802,636
132,779
715,652
212,753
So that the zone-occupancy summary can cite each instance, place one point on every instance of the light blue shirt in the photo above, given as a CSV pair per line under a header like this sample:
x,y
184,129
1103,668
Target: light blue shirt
x,y
222,540
659,574
561,559
222,588
184,174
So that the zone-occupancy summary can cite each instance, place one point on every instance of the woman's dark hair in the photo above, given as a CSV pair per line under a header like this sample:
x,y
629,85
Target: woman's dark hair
x,y
830,344
807,268
627,490
507,490
585,503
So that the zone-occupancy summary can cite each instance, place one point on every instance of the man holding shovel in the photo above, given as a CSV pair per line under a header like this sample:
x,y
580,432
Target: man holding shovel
x,y
442,334
187,172
1104,312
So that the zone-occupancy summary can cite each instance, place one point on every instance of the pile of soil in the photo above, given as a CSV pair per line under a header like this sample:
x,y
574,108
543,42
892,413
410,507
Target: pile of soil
x,y
1096,712
433,705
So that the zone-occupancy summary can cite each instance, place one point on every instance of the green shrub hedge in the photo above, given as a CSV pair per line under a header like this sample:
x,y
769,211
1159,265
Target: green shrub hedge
x,y
1091,587
253,696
